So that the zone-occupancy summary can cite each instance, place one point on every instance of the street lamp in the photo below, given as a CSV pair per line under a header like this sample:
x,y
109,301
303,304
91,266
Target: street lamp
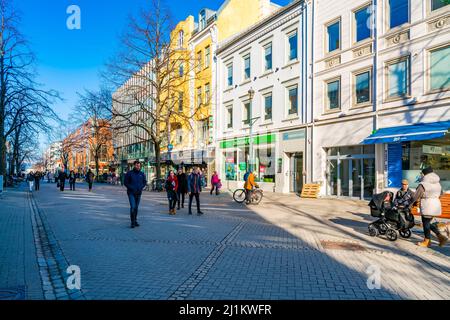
x,y
251,94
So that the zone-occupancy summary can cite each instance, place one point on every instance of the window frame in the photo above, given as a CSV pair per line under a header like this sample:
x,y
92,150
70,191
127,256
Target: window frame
x,y
228,67
266,95
430,10
355,25
199,61
327,100
246,122
392,62
428,69
388,16
207,95
199,97
244,58
289,35
207,63
229,117
181,101
327,38
181,39
354,96
288,104
265,47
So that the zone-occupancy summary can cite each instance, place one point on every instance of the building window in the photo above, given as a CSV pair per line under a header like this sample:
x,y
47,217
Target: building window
x,y
333,94
207,93
179,133
268,107
363,24
268,57
439,69
247,67
398,78
199,96
230,75
202,20
199,61
293,100
362,87
180,102
437,4
229,117
293,45
334,36
247,112
181,39
207,56
398,12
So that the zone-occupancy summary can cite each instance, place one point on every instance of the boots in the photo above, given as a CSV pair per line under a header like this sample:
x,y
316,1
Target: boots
x,y
442,240
174,211
426,243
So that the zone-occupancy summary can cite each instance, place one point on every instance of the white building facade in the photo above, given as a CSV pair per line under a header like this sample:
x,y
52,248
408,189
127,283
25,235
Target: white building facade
x,y
381,95
263,121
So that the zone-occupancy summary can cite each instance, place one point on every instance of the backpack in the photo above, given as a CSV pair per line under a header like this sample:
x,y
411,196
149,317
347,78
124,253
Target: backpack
x,y
246,176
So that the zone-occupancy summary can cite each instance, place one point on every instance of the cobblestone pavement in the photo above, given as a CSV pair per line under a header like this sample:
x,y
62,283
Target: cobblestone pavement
x,y
285,248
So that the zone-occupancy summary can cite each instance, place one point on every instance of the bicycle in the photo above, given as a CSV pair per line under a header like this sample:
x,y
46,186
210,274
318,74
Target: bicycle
x,y
256,196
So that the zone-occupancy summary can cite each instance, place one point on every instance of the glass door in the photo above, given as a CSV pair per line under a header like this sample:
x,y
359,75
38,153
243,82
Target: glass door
x,y
369,177
344,174
297,178
356,178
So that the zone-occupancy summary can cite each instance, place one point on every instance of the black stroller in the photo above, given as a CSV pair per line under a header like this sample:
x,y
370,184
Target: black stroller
x,y
391,220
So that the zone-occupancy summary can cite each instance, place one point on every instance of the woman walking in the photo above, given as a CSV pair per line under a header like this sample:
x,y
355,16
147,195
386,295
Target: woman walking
x,y
72,180
428,193
171,188
182,188
90,179
215,183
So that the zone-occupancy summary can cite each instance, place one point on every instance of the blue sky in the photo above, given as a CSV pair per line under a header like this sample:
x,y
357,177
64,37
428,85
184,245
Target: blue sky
x,y
70,60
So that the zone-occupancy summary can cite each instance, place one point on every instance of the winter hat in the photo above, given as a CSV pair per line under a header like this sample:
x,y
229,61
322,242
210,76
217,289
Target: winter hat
x,y
427,171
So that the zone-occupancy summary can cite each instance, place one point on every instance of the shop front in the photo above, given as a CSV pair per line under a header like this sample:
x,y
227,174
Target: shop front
x,y
409,149
236,158
351,171
292,145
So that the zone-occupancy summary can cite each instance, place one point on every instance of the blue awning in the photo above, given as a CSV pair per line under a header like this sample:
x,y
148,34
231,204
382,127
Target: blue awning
x,y
415,132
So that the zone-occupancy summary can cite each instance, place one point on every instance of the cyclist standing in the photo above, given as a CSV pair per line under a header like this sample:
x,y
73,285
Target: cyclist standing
x,y
249,185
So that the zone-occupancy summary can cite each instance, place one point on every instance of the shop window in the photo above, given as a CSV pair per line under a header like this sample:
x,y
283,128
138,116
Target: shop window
x,y
231,168
265,164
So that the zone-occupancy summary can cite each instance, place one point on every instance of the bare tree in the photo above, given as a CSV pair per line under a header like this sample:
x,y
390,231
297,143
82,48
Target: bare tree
x,y
22,99
94,113
152,76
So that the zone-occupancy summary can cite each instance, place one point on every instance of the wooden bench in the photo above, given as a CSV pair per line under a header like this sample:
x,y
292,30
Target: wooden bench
x,y
445,203
310,191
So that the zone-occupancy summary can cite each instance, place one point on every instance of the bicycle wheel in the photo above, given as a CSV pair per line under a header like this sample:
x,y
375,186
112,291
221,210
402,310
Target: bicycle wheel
x,y
257,197
239,195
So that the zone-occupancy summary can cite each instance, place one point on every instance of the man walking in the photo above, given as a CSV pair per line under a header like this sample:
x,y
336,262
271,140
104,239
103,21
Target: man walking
x,y
135,182
194,189
30,179
90,179
37,181
182,187
62,179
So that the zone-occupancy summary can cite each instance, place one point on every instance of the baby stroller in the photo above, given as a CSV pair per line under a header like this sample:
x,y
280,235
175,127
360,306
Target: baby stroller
x,y
391,220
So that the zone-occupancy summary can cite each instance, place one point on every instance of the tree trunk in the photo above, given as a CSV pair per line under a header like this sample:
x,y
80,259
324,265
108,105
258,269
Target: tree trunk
x,y
97,166
158,159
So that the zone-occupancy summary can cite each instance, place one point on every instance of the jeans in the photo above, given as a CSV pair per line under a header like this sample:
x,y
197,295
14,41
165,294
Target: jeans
x,y
62,185
134,200
30,185
90,186
37,185
72,185
428,227
180,199
214,186
197,200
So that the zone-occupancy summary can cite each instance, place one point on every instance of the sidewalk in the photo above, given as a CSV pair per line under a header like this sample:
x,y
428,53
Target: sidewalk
x,y
19,273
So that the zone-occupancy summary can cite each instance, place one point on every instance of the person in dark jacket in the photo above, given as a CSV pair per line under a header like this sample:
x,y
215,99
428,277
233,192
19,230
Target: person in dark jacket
x,y
172,189
194,189
37,181
72,180
90,179
182,187
62,176
404,199
135,182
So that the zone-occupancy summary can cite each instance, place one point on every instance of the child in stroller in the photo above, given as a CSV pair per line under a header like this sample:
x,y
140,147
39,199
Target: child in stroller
x,y
392,219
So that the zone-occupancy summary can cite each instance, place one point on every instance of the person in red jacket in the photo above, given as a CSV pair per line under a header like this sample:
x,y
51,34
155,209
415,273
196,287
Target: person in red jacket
x,y
172,188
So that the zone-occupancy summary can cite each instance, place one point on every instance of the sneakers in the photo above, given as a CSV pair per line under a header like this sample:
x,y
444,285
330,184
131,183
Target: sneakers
x,y
426,243
200,213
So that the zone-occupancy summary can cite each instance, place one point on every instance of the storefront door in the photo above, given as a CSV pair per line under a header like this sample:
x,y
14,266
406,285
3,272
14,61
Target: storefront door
x,y
297,172
351,175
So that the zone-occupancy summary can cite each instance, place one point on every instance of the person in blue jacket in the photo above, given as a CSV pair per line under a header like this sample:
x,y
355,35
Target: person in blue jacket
x,y
135,182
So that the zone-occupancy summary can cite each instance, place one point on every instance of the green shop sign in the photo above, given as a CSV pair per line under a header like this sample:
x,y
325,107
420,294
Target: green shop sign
x,y
239,142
